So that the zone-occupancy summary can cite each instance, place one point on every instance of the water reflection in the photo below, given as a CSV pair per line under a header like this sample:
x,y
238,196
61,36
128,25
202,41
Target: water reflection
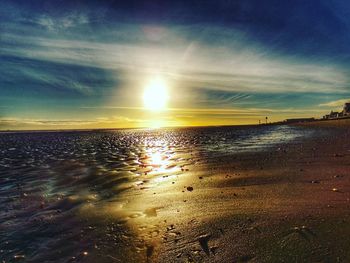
x,y
85,191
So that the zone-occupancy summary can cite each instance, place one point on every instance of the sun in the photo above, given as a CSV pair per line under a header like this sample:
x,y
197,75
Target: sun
x,y
155,96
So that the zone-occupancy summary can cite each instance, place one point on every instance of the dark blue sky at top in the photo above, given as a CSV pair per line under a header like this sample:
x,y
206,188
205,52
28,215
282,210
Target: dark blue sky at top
x,y
293,32
314,28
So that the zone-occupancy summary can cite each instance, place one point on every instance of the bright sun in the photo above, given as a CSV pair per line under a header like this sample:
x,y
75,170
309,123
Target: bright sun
x,y
155,96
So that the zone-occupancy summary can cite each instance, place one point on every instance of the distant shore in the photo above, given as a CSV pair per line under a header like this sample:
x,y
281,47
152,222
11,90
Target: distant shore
x,y
328,123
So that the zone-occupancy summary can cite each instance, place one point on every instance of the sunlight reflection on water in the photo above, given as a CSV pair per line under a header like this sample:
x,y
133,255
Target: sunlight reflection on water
x,y
82,183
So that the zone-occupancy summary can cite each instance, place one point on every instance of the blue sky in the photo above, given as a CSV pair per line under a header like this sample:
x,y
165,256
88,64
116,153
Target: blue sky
x,y
83,64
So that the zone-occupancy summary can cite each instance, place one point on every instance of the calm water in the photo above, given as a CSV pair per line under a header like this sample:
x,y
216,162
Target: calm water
x,y
47,181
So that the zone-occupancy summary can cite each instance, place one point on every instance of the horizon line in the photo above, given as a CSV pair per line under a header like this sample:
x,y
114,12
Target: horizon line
x,y
133,128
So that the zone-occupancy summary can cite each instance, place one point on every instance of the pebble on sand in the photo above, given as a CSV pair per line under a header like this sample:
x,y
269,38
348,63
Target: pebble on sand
x,y
189,188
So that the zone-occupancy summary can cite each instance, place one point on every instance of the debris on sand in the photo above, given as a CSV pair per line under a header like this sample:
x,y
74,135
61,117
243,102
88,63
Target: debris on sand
x,y
315,182
335,190
189,188
203,241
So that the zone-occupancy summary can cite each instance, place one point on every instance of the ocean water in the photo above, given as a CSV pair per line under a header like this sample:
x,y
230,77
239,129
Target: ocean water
x,y
48,180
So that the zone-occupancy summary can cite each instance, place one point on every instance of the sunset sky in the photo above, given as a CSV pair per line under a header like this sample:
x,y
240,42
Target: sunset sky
x,y
89,64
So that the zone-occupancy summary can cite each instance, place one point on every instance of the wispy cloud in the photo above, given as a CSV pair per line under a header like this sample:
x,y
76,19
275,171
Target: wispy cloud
x,y
29,123
238,66
52,77
335,103
62,23
217,111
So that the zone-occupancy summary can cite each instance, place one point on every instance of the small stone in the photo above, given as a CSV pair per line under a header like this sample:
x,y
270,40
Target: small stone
x,y
189,188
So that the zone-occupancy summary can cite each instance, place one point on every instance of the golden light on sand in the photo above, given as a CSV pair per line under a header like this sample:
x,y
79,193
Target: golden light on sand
x,y
155,96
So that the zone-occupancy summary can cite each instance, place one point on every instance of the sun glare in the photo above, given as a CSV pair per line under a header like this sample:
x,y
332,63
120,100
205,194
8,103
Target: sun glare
x,y
156,124
155,96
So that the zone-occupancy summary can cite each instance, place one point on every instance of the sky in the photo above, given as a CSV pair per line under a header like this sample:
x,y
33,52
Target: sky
x,y
86,64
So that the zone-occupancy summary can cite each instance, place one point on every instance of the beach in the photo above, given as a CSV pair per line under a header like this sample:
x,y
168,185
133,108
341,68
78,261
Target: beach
x,y
287,200
174,131
290,204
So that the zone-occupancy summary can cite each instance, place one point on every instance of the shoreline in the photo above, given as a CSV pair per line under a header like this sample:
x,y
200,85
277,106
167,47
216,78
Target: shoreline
x,y
288,202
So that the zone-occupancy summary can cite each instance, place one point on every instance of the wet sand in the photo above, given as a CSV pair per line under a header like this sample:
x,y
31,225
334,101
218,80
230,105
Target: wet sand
x,y
290,204
164,202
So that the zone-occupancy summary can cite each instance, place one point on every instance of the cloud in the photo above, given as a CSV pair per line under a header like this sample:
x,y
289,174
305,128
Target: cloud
x,y
44,78
28,123
239,68
214,111
72,20
12,122
335,103
208,56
